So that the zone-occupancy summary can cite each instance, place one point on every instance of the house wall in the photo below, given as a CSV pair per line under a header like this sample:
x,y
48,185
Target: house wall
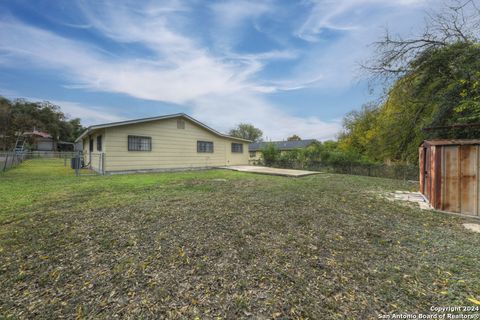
x,y
43,144
255,157
235,158
172,148
94,159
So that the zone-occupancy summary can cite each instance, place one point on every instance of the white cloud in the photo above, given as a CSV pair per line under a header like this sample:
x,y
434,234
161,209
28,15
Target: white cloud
x,y
354,25
222,87
181,72
346,15
276,124
87,67
89,115
232,13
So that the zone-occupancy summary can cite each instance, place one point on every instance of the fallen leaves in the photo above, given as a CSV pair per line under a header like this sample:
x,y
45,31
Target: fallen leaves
x,y
249,247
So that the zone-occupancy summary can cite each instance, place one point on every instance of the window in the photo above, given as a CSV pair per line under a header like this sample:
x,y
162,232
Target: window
x,y
180,124
90,147
237,147
99,143
138,143
205,146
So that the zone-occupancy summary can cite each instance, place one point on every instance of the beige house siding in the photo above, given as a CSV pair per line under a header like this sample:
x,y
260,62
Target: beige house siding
x,y
94,159
172,148
234,158
255,157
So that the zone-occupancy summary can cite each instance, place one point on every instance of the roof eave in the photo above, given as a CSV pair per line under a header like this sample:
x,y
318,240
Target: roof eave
x,y
171,116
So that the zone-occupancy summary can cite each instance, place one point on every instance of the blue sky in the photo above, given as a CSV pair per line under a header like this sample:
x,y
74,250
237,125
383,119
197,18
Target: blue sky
x,y
285,66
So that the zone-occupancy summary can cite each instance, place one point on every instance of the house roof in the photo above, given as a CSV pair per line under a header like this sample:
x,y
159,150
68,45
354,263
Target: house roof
x,y
282,145
169,116
38,134
65,142
451,142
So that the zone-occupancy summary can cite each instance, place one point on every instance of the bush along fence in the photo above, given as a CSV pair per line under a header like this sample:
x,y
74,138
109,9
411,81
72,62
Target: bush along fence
x,y
317,158
394,171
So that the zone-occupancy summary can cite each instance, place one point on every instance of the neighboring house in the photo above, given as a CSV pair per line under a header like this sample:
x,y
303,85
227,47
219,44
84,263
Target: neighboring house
x,y
168,142
40,141
43,141
255,149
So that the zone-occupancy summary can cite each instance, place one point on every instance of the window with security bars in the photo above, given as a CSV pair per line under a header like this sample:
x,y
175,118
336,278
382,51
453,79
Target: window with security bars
x,y
138,143
205,146
237,147
90,146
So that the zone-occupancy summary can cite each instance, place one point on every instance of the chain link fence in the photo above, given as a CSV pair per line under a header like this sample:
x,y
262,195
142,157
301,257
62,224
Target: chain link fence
x,y
76,163
394,171
68,163
92,163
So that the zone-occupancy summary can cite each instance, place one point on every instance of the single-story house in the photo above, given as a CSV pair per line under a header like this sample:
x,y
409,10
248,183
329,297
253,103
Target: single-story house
x,y
255,149
168,142
43,141
35,141
39,140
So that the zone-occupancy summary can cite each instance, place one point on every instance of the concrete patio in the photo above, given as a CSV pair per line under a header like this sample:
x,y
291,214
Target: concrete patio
x,y
272,171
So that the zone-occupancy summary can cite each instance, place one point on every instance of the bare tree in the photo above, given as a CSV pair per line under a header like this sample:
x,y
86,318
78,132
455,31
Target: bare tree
x,y
458,21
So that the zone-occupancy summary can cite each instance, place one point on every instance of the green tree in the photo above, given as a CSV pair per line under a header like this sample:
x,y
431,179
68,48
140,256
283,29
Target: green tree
x,y
246,131
441,89
360,134
434,81
294,138
5,119
270,154
20,116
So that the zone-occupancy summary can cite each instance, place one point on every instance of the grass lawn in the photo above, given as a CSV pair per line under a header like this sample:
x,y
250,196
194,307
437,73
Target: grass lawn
x,y
224,244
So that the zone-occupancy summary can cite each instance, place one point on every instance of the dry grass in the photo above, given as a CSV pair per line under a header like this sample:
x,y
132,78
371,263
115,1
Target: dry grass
x,y
224,244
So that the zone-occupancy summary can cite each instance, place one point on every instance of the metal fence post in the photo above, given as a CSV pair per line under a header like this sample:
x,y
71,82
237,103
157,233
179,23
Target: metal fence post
x,y
103,163
77,164
5,164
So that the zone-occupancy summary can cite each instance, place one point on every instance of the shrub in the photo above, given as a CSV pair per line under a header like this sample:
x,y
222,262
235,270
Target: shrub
x,y
270,154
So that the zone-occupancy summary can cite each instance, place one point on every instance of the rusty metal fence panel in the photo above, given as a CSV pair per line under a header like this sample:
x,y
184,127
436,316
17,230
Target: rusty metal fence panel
x,y
468,179
460,179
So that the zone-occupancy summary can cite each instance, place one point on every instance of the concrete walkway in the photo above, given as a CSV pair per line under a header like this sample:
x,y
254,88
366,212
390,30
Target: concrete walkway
x,y
272,171
475,227
415,197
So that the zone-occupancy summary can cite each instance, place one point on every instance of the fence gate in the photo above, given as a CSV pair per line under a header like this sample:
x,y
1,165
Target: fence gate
x,y
91,164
